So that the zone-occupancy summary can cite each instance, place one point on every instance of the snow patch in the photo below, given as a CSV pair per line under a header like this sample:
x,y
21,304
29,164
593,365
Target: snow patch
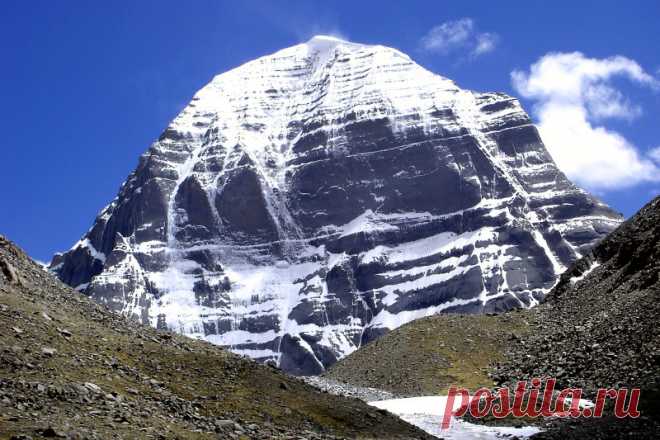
x,y
86,244
426,413
579,278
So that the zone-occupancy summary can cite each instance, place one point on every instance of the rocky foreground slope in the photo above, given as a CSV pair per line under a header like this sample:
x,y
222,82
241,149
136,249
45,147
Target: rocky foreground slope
x,y
308,201
70,368
599,327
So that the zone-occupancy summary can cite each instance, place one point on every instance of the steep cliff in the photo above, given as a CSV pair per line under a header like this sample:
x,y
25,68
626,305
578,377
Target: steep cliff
x,y
308,201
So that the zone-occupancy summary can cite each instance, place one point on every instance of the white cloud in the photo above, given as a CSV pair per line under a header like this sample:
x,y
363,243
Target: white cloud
x,y
654,154
573,95
486,42
458,34
318,30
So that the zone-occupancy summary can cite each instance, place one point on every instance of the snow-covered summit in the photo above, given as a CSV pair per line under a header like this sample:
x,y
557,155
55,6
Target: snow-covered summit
x,y
307,201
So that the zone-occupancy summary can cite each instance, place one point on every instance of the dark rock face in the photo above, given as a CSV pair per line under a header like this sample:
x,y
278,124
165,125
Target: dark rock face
x,y
242,207
308,201
199,221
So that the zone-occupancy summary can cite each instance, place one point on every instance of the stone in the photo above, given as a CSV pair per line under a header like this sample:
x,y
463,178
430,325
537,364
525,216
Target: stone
x,y
52,432
93,387
8,270
48,351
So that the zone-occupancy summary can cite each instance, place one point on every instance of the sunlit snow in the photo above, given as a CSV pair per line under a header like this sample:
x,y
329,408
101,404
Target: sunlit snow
x,y
426,412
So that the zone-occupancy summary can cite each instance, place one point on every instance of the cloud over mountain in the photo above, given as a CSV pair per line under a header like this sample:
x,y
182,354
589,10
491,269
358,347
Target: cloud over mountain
x,y
573,97
459,34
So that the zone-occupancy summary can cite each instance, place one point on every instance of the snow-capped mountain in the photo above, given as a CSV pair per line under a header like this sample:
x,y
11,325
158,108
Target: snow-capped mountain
x,y
306,202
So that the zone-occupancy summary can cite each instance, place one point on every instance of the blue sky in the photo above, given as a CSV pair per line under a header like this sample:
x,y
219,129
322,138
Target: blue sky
x,y
87,86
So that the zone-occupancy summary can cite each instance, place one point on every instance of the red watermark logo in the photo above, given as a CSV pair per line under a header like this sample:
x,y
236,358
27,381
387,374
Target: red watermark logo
x,y
524,402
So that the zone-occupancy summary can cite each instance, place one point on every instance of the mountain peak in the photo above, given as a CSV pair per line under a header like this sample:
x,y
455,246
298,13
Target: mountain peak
x,y
309,200
323,45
